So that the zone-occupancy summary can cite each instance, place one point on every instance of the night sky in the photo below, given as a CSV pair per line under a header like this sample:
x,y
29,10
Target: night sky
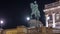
x,y
14,12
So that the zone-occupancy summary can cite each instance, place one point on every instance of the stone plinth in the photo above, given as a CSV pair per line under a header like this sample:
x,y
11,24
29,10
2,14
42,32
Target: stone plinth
x,y
34,23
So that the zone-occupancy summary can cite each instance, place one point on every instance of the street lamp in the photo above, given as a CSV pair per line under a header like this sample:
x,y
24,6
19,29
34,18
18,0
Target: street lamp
x,y
28,18
1,22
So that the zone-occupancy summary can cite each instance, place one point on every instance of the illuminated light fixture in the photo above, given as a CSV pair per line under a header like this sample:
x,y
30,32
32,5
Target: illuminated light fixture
x,y
1,22
48,17
28,18
52,8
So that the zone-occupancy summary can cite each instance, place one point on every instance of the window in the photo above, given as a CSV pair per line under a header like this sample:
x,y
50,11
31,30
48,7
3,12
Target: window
x,y
57,17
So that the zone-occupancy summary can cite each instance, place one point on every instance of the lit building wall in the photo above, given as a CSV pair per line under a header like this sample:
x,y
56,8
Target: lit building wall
x,y
22,29
10,31
53,12
18,30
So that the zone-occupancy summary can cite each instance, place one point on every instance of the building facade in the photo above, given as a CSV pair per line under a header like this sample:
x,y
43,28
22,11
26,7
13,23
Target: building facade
x,y
52,13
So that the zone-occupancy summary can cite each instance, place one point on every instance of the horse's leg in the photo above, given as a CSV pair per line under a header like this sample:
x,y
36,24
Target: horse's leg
x,y
32,14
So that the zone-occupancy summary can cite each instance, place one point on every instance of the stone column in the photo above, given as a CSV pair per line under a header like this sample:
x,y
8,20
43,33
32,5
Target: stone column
x,y
46,20
53,17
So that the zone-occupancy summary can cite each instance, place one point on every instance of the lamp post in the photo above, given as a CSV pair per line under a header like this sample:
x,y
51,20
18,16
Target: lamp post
x,y
28,18
1,22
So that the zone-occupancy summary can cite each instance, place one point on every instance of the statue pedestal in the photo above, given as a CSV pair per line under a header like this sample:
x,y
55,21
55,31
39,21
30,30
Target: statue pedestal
x,y
35,23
